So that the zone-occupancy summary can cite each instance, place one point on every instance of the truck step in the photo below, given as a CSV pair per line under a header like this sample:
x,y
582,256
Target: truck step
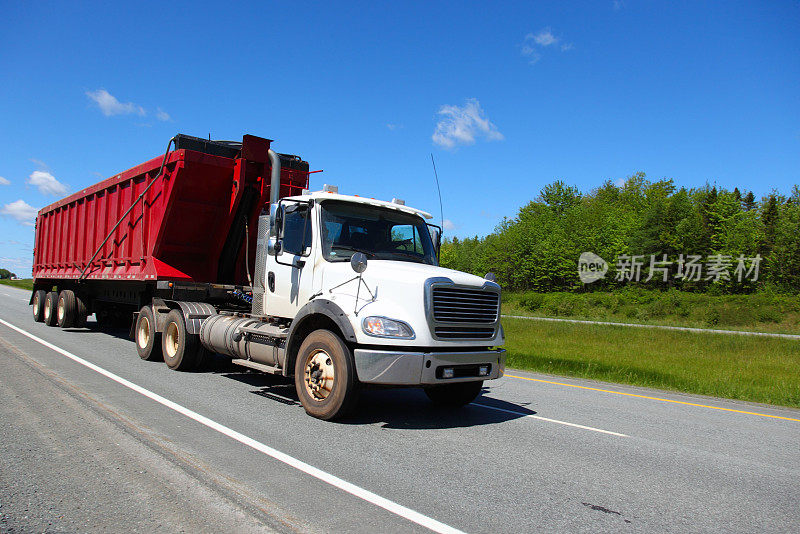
x,y
269,369
275,332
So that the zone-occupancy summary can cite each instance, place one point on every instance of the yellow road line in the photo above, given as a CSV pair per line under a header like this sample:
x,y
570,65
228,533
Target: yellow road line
x,y
652,398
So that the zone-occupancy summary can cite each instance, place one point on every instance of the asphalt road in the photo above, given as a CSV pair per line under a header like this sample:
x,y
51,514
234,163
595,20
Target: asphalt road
x,y
95,439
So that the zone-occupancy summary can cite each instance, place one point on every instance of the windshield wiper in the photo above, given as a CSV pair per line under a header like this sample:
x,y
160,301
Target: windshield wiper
x,y
354,249
417,257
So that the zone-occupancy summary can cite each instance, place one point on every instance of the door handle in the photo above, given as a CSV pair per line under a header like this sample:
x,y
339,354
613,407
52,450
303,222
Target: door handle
x,y
271,282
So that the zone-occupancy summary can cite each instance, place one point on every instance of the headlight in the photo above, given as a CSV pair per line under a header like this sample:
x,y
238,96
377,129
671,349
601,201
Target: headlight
x,y
385,327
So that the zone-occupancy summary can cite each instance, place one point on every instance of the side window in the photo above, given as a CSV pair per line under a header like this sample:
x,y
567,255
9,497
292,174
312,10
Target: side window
x,y
405,238
296,229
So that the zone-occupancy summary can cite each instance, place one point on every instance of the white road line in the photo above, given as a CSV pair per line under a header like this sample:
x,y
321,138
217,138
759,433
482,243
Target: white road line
x,y
658,326
319,474
552,420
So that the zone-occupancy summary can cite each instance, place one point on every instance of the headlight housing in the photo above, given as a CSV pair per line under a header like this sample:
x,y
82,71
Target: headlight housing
x,y
377,326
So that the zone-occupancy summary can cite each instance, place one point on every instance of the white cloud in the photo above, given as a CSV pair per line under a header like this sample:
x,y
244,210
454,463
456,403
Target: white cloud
x,y
20,211
46,183
461,125
545,37
447,224
109,105
394,127
163,115
535,43
620,182
3,181
20,266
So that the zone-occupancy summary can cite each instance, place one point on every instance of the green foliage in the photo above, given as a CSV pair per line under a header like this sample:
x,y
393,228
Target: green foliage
x,y
763,311
749,368
22,284
538,250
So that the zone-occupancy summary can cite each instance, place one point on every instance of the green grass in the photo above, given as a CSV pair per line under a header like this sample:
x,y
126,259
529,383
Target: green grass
x,y
723,365
763,312
22,284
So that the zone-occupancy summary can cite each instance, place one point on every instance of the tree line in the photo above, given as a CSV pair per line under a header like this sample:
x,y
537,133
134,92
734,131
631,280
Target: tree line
x,y
637,223
5,274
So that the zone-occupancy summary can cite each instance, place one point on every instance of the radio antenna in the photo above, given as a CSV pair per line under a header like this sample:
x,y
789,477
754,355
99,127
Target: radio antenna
x,y
439,189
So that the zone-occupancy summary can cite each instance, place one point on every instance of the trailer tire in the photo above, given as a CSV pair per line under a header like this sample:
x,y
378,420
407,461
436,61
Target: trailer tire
x,y
148,341
182,351
67,310
39,297
454,395
51,309
82,312
324,357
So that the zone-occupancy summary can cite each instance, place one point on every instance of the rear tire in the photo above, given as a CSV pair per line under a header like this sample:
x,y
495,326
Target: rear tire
x,y
454,395
325,376
82,312
39,297
51,309
67,309
181,350
148,341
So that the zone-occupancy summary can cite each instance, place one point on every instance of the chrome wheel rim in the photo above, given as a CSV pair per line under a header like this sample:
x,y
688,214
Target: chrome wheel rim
x,y
171,340
46,310
60,310
143,333
36,303
319,375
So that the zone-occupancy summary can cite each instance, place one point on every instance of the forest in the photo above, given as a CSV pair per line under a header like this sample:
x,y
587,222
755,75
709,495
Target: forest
x,y
637,222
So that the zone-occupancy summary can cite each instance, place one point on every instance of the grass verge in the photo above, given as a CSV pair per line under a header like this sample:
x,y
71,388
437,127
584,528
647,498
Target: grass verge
x,y
762,312
22,284
736,367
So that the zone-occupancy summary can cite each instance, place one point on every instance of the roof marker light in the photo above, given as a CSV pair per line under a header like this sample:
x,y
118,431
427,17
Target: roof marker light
x,y
399,201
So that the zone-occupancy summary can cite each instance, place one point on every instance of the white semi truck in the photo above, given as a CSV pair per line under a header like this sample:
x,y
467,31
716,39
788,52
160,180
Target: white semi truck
x,y
345,291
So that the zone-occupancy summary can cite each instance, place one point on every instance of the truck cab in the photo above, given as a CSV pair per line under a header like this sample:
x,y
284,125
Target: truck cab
x,y
368,270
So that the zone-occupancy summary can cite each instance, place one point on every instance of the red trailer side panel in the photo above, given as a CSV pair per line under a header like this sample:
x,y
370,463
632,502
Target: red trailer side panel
x,y
176,232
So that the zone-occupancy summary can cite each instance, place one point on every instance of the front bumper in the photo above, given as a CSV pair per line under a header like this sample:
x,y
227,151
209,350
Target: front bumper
x,y
403,368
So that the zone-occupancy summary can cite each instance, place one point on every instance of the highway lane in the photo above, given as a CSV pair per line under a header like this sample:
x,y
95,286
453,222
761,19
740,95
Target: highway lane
x,y
528,455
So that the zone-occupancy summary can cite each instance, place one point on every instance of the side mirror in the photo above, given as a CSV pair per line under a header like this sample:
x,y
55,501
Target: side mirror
x,y
436,237
275,219
275,224
358,262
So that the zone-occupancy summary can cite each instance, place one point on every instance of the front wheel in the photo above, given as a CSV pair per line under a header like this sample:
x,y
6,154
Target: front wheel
x,y
454,395
325,376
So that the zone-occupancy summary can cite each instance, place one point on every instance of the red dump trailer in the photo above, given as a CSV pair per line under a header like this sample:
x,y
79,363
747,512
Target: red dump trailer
x,y
180,224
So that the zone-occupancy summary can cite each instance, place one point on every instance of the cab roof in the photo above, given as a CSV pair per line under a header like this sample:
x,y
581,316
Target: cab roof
x,y
325,195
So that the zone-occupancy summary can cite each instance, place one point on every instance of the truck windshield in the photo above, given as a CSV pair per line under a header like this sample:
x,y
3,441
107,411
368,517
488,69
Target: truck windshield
x,y
380,233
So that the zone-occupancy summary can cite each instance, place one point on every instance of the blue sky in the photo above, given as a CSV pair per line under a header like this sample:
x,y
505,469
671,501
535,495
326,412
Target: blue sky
x,y
507,96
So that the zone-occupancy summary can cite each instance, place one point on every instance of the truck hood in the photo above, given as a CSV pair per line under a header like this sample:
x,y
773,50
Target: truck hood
x,y
394,289
397,272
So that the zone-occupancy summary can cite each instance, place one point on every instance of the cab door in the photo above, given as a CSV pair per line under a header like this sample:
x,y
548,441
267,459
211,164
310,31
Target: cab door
x,y
290,271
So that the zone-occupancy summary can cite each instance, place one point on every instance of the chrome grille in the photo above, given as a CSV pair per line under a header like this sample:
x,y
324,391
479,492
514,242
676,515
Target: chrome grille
x,y
459,305
463,332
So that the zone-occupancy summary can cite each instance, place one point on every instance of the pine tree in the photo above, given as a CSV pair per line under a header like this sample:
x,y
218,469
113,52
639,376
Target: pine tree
x,y
749,202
